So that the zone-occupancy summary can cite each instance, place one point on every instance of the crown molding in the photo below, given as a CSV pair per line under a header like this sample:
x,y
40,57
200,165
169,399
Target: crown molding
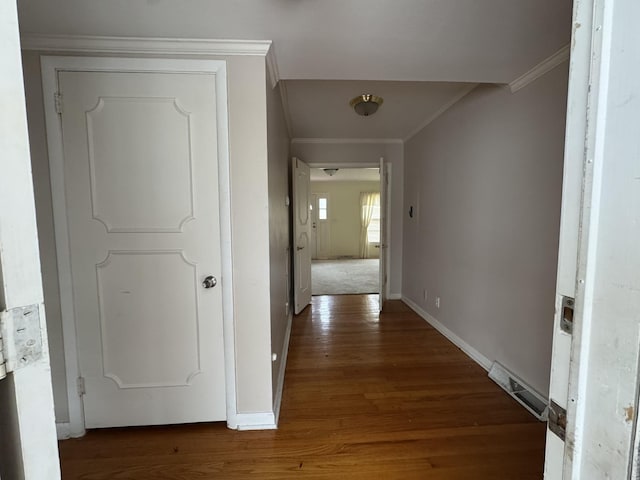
x,y
540,69
463,93
272,66
143,45
345,141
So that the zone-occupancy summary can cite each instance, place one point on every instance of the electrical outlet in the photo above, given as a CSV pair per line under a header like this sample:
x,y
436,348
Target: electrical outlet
x,y
437,302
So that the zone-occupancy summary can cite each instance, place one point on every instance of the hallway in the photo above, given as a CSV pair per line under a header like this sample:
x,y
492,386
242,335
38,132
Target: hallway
x,y
367,396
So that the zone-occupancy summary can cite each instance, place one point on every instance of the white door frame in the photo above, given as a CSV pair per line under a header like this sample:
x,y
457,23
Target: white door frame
x,y
387,221
388,199
385,212
50,66
28,447
595,372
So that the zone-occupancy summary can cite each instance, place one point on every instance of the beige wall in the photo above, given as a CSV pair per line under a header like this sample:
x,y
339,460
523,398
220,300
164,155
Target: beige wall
x,y
279,233
485,180
250,230
343,216
336,153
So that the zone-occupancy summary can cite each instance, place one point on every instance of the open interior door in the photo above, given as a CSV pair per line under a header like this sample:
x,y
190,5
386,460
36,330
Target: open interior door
x,y
384,231
301,234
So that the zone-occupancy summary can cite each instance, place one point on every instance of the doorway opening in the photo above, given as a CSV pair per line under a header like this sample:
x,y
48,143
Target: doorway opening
x,y
346,230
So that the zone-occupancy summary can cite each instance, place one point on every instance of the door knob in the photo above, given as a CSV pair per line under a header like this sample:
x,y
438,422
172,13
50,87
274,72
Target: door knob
x,y
209,282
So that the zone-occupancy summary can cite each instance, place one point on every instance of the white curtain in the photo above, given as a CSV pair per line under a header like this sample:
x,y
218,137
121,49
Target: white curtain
x,y
367,203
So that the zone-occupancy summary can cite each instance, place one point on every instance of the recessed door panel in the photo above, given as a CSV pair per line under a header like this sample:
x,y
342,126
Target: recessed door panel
x,y
156,150
150,328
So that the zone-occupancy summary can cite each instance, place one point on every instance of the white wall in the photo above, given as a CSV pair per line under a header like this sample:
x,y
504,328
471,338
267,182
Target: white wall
x,y
485,182
250,232
250,229
279,230
342,152
343,215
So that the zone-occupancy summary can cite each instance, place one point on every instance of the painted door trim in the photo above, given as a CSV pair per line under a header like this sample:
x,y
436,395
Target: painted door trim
x,y
387,220
50,66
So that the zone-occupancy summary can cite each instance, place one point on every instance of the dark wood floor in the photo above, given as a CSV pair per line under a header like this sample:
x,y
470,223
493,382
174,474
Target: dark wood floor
x,y
366,396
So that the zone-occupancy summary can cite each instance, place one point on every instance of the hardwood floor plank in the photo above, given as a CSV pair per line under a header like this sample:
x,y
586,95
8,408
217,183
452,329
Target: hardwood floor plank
x,y
366,396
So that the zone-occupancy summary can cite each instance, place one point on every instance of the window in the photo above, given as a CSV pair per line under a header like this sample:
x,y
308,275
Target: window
x,y
322,208
373,231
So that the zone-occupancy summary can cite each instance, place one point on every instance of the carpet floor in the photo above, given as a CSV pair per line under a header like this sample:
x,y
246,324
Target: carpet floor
x,y
339,277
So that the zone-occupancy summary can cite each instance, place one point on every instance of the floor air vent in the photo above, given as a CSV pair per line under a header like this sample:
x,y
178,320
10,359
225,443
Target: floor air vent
x,y
523,393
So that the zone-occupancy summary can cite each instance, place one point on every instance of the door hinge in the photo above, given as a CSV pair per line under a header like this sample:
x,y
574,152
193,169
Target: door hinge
x,y
80,386
566,315
3,364
557,419
57,101
21,338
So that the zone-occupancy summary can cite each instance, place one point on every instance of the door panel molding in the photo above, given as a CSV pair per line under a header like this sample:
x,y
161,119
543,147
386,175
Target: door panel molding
x,y
51,66
191,364
168,176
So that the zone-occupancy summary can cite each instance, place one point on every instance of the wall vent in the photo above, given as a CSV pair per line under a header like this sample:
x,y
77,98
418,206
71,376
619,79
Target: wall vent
x,y
523,393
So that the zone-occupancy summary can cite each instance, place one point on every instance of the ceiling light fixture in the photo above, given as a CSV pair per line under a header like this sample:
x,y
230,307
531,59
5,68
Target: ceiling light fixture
x,y
366,104
330,171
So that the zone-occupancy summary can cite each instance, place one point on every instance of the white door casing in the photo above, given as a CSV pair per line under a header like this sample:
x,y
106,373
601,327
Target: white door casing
x,y
148,254
596,373
301,234
384,234
28,447
556,459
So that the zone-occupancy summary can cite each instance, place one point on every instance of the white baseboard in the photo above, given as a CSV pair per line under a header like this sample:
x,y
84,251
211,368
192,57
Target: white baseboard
x,y
277,401
394,296
64,431
254,421
475,355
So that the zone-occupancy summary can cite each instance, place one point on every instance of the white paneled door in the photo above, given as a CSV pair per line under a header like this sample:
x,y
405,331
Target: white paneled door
x,y
301,234
141,185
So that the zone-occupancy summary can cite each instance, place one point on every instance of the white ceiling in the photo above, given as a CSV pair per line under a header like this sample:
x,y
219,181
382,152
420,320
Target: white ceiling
x,y
319,44
320,108
346,175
